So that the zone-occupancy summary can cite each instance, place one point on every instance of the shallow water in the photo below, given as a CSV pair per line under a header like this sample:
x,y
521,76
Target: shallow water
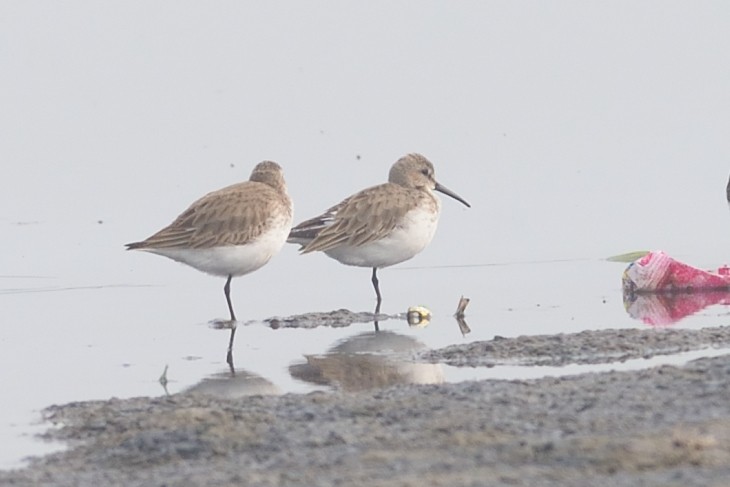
x,y
538,118
74,342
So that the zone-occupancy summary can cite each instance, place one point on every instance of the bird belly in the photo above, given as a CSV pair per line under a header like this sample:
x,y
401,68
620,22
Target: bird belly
x,y
406,240
233,260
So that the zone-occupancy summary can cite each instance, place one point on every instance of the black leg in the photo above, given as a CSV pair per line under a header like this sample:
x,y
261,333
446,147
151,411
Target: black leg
x,y
227,290
229,355
377,290
377,293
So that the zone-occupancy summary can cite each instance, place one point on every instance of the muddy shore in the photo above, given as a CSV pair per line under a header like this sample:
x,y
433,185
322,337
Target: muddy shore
x,y
659,426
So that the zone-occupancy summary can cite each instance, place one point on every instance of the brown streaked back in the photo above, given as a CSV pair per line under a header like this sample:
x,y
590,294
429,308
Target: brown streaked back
x,y
365,217
234,215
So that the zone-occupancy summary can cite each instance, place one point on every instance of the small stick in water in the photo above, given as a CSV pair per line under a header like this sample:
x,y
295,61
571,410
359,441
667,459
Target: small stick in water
x,y
163,377
463,327
463,302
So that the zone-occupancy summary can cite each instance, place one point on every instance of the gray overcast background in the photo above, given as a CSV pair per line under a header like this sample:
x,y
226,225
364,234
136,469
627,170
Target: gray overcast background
x,y
574,128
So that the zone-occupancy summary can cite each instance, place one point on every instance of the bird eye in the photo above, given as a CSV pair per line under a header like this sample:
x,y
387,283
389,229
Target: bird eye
x,y
424,172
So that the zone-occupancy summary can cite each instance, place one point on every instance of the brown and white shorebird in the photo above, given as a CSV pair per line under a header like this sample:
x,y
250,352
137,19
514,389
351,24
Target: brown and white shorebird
x,y
230,232
382,225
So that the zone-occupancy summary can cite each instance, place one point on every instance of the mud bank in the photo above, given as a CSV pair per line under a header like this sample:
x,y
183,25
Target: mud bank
x,y
587,347
661,426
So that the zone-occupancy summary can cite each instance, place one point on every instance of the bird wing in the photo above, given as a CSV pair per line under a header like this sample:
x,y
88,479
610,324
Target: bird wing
x,y
234,215
362,218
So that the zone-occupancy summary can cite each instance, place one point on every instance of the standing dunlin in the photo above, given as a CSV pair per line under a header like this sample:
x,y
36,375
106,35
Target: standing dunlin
x,y
382,225
229,232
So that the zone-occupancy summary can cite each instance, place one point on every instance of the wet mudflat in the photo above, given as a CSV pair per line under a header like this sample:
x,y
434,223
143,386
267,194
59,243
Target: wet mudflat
x,y
660,426
586,347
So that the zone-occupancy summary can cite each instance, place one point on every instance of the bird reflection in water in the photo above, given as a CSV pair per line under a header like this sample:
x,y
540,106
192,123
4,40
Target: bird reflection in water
x,y
232,325
368,361
230,385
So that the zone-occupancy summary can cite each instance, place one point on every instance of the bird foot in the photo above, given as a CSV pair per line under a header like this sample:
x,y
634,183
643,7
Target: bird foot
x,y
221,324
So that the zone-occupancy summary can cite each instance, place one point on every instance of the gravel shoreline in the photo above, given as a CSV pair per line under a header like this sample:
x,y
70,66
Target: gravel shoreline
x,y
661,426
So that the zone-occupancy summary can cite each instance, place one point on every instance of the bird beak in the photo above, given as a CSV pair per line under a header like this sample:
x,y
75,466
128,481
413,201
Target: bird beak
x,y
443,189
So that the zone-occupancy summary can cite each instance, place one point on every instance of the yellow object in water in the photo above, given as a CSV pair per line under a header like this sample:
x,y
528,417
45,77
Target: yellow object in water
x,y
418,316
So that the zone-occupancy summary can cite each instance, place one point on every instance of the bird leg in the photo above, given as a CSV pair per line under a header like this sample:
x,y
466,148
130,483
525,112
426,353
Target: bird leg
x,y
377,293
229,355
377,290
227,291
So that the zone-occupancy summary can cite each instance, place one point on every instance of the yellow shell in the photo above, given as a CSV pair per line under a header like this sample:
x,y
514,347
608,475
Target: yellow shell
x,y
418,316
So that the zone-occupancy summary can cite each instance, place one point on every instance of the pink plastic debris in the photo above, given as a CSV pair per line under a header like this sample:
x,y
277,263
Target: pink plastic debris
x,y
663,309
660,290
656,272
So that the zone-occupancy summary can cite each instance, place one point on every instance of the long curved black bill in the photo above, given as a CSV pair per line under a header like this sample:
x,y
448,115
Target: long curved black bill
x,y
443,189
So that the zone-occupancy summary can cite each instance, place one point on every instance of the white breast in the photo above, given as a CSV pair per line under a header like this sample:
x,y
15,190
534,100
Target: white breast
x,y
410,237
235,260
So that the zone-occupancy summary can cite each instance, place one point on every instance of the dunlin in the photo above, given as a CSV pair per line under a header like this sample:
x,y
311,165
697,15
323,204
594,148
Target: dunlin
x,y
229,232
382,225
